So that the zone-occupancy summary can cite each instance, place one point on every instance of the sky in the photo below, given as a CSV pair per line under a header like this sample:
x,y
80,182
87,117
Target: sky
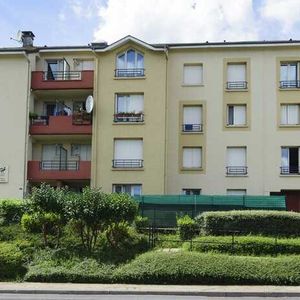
x,y
80,22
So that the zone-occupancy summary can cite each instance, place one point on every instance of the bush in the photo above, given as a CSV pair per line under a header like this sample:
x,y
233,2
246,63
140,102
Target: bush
x,y
250,222
203,268
141,223
245,245
11,261
11,211
187,227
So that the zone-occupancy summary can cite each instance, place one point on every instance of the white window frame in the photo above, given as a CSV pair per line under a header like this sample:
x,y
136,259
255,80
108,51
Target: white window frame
x,y
135,59
285,115
236,169
124,185
234,122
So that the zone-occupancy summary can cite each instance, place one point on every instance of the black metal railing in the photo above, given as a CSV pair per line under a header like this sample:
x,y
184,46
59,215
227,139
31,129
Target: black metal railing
x,y
289,84
57,165
290,170
40,120
236,170
127,163
128,117
129,72
234,85
62,75
192,127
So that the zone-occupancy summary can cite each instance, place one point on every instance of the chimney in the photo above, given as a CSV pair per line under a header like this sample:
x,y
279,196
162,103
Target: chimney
x,y
27,38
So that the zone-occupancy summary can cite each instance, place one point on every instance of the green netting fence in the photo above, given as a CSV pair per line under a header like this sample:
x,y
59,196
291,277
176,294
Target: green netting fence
x,y
162,210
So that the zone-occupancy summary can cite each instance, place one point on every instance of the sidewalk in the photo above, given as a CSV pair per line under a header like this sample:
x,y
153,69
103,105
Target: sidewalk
x,y
133,289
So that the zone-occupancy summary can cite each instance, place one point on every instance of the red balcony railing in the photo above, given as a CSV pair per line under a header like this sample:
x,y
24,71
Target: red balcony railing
x,y
56,170
78,123
63,81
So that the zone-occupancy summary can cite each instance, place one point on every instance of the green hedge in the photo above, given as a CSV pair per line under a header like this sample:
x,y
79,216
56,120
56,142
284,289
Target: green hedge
x,y
203,268
245,245
11,261
250,222
188,227
11,210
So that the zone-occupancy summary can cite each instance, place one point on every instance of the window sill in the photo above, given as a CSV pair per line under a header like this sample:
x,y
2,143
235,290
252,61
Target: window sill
x,y
289,126
236,175
192,85
236,126
289,89
191,132
289,175
128,123
191,169
129,78
127,169
236,90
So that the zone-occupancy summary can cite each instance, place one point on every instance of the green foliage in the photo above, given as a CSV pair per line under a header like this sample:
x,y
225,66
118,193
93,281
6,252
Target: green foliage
x,y
168,241
11,211
11,261
188,228
94,211
245,245
116,233
250,222
202,268
140,223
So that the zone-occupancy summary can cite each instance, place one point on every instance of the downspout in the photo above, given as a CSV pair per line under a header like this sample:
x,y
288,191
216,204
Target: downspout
x,y
26,125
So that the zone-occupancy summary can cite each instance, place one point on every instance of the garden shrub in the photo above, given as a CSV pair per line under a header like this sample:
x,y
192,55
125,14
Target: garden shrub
x,y
141,223
206,268
11,261
188,228
11,210
250,222
245,245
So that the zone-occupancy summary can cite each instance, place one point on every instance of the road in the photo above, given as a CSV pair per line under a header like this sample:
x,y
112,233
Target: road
x,y
126,297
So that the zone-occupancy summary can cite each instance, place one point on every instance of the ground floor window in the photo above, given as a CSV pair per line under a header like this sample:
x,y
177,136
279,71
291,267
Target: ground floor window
x,y
191,192
131,189
236,192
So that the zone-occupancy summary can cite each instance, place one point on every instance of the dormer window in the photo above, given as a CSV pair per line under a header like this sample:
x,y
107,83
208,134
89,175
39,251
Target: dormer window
x,y
130,64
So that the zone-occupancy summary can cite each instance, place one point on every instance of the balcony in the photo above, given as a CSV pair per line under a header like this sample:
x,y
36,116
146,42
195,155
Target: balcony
x,y
236,85
289,84
78,123
58,170
192,127
62,80
236,170
129,73
290,170
127,163
128,117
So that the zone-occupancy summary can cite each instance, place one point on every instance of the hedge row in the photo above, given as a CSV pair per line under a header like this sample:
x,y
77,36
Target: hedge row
x,y
250,222
177,268
245,245
11,211
11,261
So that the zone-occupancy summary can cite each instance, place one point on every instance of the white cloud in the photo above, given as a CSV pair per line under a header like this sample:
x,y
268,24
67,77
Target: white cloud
x,y
286,12
84,9
177,20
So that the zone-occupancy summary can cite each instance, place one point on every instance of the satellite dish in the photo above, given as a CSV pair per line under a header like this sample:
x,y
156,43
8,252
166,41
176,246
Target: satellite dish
x,y
89,104
19,35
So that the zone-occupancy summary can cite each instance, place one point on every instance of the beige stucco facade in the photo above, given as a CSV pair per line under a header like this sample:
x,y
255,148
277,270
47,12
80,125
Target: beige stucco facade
x,y
165,95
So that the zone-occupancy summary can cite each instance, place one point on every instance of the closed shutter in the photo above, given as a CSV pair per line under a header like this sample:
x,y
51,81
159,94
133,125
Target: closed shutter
x,y
192,157
128,149
192,115
236,157
239,115
236,72
192,75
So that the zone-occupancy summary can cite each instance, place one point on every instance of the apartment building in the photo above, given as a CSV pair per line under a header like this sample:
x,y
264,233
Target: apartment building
x,y
209,118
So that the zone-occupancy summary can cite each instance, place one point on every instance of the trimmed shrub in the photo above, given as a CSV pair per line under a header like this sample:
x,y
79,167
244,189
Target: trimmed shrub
x,y
244,245
188,228
278,223
11,211
11,261
202,268
141,223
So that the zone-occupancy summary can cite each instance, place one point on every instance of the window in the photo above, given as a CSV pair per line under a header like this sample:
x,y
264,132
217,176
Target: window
x,y
128,153
131,189
192,158
236,115
83,65
192,74
290,114
54,109
236,76
192,119
289,75
129,108
236,161
59,69
83,151
130,64
190,192
231,192
290,160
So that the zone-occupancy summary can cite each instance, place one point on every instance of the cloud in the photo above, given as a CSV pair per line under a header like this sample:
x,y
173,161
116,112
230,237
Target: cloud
x,y
177,20
84,8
